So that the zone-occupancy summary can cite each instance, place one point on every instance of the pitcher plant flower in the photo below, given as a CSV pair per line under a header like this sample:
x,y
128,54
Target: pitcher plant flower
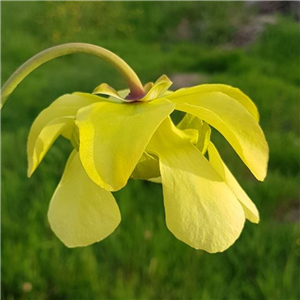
x,y
130,134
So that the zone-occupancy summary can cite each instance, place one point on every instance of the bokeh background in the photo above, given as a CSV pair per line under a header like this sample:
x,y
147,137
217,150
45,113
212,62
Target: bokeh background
x,y
254,46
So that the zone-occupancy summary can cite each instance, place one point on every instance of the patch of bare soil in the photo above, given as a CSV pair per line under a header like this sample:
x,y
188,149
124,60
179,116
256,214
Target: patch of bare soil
x,y
249,33
181,80
289,213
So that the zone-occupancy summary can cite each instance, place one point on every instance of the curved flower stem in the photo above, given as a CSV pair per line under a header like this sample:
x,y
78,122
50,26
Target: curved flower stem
x,y
135,85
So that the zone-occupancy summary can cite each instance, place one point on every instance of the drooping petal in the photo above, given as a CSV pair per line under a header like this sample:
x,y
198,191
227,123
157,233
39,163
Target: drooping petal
x,y
234,122
200,208
228,90
38,148
81,212
189,122
114,136
51,122
250,209
146,168
68,105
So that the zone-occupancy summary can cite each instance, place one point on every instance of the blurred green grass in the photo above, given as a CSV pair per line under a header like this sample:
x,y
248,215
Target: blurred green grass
x,y
142,260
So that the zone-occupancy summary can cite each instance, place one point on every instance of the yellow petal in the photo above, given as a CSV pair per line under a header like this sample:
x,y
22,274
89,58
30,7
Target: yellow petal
x,y
232,120
38,148
189,122
114,136
147,167
250,209
159,88
64,106
228,90
200,208
69,104
52,118
80,212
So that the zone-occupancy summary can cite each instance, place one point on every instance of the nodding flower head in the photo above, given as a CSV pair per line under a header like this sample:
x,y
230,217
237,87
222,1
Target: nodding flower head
x,y
127,134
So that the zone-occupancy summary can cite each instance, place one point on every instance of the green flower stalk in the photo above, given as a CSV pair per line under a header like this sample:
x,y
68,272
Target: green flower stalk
x,y
136,88
129,134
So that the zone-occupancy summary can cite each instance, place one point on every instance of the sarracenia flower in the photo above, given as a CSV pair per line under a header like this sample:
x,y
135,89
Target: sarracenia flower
x,y
130,134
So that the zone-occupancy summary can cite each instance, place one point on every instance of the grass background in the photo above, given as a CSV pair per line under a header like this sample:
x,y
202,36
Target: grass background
x,y
221,42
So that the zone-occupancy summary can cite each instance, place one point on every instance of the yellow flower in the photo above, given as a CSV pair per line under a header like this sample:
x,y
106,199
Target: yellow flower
x,y
118,136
